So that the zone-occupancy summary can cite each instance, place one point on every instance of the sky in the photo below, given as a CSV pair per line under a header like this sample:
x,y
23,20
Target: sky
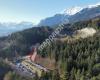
x,y
35,10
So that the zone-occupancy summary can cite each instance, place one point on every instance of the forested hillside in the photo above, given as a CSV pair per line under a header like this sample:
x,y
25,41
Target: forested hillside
x,y
75,59
21,42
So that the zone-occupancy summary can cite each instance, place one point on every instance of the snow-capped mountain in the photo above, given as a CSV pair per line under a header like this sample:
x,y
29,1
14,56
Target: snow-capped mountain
x,y
86,14
72,11
74,14
8,28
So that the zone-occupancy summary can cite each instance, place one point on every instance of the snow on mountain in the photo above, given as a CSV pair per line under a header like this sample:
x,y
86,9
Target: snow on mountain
x,y
72,11
92,6
60,18
70,15
86,13
74,14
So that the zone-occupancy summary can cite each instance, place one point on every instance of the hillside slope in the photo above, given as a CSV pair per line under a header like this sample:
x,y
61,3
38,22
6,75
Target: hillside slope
x,y
22,41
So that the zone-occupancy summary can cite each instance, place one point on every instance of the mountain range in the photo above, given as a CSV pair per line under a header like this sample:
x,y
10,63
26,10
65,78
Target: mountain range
x,y
8,28
71,15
